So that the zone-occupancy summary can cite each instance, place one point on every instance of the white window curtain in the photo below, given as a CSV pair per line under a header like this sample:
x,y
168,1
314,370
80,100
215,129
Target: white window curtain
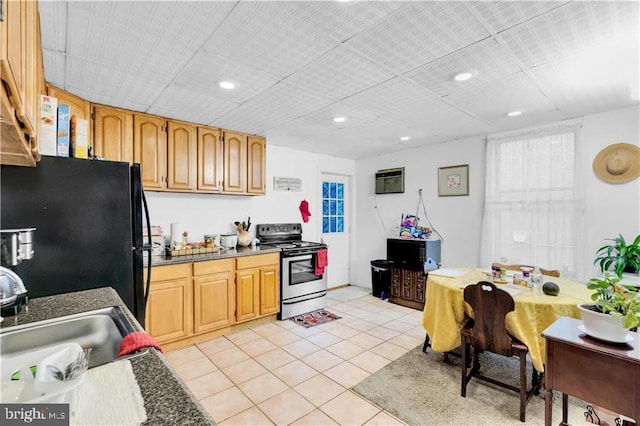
x,y
532,204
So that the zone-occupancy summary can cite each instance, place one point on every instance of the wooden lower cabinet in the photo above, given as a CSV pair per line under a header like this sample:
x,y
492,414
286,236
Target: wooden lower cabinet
x,y
257,286
408,287
248,294
214,294
270,289
193,302
169,313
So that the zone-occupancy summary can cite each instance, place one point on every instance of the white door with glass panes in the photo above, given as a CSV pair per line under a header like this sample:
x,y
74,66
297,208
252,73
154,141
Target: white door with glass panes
x,y
335,227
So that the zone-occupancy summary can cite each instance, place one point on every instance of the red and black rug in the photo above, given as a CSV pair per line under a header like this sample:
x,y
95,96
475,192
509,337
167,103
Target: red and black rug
x,y
314,318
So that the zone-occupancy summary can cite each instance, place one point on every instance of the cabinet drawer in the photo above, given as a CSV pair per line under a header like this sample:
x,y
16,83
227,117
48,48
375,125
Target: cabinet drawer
x,y
213,266
245,262
170,272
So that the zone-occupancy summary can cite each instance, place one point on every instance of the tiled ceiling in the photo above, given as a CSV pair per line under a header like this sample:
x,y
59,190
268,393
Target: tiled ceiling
x,y
386,66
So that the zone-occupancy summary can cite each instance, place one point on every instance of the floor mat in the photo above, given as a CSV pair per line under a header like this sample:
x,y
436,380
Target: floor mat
x,y
344,294
314,318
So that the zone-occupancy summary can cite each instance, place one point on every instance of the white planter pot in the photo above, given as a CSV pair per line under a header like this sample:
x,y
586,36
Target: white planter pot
x,y
603,326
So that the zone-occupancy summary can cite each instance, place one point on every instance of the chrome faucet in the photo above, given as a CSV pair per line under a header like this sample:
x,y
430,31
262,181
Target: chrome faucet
x,y
16,245
13,294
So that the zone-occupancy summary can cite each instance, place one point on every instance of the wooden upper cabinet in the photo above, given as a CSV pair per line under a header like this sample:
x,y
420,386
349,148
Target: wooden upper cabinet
x,y
209,159
22,81
150,150
113,133
77,106
256,165
14,50
182,152
31,89
235,163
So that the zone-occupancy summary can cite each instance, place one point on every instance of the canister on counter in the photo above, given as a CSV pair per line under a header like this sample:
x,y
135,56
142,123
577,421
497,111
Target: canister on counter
x,y
526,276
209,241
517,278
495,272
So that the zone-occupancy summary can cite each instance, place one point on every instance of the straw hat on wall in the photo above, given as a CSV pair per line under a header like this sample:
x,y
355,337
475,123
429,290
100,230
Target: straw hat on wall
x,y
618,163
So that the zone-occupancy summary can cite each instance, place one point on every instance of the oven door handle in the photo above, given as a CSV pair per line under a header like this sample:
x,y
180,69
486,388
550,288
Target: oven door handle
x,y
299,299
296,258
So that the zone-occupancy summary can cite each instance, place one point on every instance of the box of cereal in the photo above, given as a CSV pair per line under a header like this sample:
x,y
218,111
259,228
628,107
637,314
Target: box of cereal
x,y
48,124
79,131
63,132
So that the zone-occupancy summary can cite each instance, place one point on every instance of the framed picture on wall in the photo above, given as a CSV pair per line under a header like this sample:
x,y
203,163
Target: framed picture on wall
x,y
453,181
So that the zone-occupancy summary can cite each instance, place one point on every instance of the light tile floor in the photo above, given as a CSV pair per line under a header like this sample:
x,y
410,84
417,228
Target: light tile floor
x,y
282,373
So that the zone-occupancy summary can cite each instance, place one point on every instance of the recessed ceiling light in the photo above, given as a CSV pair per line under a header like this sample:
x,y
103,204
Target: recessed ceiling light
x,y
405,138
463,76
514,113
340,119
227,85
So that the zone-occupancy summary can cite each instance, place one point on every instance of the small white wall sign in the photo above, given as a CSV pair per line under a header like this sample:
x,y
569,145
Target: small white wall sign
x,y
287,184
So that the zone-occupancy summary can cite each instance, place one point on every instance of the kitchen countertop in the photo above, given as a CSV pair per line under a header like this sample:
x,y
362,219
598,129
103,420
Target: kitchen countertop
x,y
220,254
166,398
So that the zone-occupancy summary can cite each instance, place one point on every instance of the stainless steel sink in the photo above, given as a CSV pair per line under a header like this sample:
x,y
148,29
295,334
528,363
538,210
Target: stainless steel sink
x,y
101,329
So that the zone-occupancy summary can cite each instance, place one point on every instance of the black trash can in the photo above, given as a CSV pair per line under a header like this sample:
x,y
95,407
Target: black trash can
x,y
381,276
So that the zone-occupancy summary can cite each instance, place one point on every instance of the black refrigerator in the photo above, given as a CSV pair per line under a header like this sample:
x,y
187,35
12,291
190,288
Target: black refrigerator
x,y
88,220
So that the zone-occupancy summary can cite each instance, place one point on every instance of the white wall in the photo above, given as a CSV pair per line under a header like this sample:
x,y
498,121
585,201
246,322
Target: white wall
x,y
609,209
202,214
457,219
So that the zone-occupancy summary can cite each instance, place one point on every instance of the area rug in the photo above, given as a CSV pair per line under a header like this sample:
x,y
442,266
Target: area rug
x,y
344,294
421,389
314,318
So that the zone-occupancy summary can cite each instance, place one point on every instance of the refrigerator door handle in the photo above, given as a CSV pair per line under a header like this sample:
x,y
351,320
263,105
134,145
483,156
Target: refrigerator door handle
x,y
147,247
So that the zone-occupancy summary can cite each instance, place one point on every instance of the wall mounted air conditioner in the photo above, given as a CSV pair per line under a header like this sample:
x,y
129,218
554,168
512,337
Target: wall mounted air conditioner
x,y
390,181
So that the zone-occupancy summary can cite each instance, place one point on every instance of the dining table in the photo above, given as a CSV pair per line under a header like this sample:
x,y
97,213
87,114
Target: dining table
x,y
445,311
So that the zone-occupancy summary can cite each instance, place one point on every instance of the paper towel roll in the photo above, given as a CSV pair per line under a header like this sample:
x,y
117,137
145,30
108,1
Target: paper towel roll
x,y
176,232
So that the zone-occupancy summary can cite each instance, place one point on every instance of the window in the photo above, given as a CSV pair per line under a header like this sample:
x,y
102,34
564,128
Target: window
x,y
332,207
531,204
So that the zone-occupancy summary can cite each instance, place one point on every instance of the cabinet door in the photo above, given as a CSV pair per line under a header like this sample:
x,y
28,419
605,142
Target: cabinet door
x,y
113,133
168,315
214,301
77,106
247,294
31,93
256,165
21,82
14,46
209,159
235,163
150,150
182,151
269,290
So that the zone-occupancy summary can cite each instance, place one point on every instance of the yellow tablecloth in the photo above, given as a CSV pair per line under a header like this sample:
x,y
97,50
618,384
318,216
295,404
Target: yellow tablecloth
x,y
445,310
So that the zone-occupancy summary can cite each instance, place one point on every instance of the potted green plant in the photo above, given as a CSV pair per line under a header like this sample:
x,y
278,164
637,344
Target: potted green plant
x,y
621,256
615,310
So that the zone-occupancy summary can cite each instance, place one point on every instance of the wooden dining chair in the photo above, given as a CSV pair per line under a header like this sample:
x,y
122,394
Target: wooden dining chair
x,y
549,272
487,332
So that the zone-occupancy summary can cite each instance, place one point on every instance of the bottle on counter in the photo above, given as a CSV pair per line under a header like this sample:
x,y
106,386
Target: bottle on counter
x,y
526,276
536,283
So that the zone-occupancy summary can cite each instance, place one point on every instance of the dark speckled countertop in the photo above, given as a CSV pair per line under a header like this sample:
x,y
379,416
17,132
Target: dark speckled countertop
x,y
166,398
221,254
